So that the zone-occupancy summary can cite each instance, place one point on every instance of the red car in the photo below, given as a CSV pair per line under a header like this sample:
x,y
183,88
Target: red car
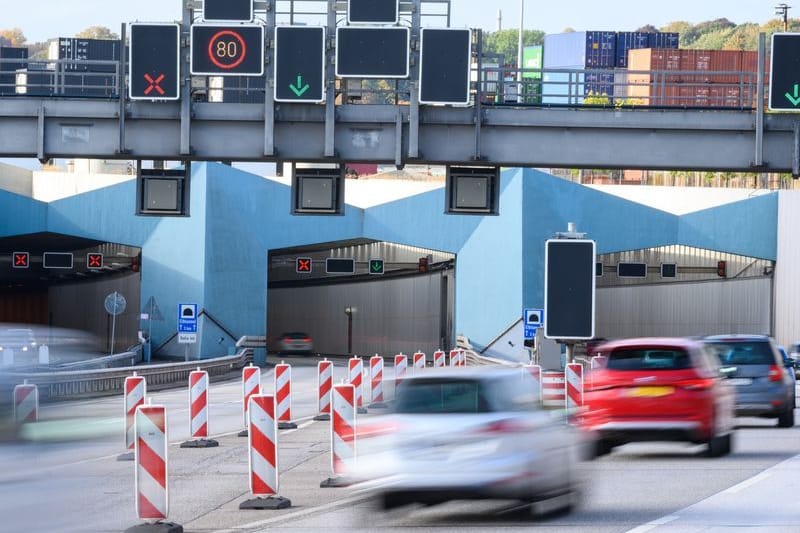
x,y
658,389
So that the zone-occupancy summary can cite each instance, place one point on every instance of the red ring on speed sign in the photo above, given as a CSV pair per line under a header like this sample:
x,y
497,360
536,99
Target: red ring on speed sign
x,y
214,39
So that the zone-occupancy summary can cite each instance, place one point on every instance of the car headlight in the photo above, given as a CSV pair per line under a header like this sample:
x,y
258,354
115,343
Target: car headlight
x,y
24,348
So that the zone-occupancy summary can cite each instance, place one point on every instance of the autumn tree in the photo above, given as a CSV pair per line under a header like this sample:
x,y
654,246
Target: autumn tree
x,y
96,32
12,37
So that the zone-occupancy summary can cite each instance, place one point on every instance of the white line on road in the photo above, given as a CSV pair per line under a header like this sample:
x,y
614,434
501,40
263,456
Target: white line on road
x,y
653,524
299,514
299,427
747,483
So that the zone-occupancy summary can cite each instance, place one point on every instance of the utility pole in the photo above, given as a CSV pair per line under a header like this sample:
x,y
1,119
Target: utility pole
x,y
519,50
782,10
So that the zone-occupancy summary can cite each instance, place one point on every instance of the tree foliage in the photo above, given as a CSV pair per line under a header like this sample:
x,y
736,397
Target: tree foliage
x,y
12,37
96,32
505,42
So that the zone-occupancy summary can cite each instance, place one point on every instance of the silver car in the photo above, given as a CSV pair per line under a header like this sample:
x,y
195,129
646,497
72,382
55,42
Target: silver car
x,y
755,367
468,434
21,340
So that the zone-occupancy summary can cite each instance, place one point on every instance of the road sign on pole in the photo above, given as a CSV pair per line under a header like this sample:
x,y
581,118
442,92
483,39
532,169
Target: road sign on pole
x,y
154,61
445,66
227,50
784,72
299,64
227,10
187,318
569,286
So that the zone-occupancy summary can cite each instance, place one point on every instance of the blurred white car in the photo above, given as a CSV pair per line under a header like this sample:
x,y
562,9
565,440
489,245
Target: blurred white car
x,y
296,342
467,434
17,339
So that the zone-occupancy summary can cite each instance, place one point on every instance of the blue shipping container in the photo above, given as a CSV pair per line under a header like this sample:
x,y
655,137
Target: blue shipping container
x,y
664,40
563,87
599,84
630,40
586,48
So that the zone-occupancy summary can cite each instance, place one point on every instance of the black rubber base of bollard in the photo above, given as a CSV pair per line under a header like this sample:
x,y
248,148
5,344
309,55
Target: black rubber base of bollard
x,y
130,456
287,425
323,417
335,483
243,433
159,527
272,503
378,405
200,443
361,410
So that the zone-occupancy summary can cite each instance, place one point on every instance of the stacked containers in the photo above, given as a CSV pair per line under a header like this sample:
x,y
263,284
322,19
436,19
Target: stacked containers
x,y
532,74
81,79
703,78
12,59
578,51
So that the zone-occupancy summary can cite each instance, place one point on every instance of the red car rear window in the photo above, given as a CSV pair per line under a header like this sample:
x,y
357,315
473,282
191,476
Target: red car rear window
x,y
648,359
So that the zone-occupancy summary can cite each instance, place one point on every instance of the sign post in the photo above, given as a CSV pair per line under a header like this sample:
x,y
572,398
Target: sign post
x,y
569,287
115,305
187,326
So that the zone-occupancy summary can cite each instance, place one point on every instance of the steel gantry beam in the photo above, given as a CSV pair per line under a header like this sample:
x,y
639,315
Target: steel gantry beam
x,y
541,137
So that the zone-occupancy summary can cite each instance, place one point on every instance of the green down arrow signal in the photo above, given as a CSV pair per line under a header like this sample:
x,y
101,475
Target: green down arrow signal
x,y
796,98
299,89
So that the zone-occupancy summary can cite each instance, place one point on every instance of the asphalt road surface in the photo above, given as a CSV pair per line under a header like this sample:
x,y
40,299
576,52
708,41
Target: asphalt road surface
x,y
59,484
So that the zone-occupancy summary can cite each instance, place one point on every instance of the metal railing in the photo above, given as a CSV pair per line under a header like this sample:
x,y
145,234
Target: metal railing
x,y
75,384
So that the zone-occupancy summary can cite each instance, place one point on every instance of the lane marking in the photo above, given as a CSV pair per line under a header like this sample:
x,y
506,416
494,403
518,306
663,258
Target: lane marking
x,y
299,514
654,524
299,427
747,483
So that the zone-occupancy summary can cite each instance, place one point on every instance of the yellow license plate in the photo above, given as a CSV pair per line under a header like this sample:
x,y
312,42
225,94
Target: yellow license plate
x,y
651,392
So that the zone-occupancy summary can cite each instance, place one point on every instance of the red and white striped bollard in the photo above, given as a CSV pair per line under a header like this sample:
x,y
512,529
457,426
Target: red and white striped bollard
x,y
135,389
198,411
573,378
263,454
376,381
325,384
535,372
439,359
356,368
283,395
26,403
343,433
419,362
251,384
152,463
553,388
400,369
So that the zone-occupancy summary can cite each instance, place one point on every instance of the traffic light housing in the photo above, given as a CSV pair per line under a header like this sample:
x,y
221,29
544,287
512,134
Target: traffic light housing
x,y
161,192
21,260
472,191
722,269
302,265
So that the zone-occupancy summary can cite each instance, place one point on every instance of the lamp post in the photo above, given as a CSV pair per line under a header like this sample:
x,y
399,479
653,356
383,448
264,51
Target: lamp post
x,y
782,10
519,49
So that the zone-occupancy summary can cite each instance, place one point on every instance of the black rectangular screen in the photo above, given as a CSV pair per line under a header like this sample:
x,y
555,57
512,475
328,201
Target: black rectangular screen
x,y
363,52
233,10
632,270
569,289
340,266
372,11
598,269
445,68
669,270
57,260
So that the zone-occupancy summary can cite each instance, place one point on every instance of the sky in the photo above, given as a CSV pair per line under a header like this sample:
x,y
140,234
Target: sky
x,y
44,19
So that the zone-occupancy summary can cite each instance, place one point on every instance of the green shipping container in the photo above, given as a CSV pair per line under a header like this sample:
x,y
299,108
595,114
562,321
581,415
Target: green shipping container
x,y
532,80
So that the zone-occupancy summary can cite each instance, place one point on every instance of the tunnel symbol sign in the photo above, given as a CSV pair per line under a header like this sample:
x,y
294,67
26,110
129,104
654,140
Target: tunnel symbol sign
x,y
187,318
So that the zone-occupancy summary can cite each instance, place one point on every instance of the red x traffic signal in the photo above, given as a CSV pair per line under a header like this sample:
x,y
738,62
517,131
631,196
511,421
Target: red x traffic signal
x,y
302,265
94,260
21,260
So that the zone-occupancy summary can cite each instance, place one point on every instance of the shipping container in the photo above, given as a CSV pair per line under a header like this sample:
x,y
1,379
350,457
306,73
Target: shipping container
x,y
702,78
585,48
629,40
663,40
86,85
532,74
563,87
30,82
13,58
599,83
73,51
244,89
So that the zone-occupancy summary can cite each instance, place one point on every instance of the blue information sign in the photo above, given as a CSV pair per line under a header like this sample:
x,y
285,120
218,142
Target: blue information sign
x,y
187,318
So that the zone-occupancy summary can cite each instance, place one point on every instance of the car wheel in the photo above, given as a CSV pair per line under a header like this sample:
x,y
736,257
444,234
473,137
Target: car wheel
x,y
719,445
786,418
601,447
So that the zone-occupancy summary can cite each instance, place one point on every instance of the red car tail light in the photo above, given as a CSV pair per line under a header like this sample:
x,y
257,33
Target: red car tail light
x,y
696,384
502,426
775,373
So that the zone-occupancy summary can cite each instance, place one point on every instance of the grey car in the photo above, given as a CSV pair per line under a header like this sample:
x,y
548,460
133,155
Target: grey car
x,y
755,367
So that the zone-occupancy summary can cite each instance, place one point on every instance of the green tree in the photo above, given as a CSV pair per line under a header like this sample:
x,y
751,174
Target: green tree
x,y
96,32
648,28
13,37
505,42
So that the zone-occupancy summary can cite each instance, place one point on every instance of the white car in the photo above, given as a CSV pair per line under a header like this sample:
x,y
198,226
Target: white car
x,y
18,339
468,434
